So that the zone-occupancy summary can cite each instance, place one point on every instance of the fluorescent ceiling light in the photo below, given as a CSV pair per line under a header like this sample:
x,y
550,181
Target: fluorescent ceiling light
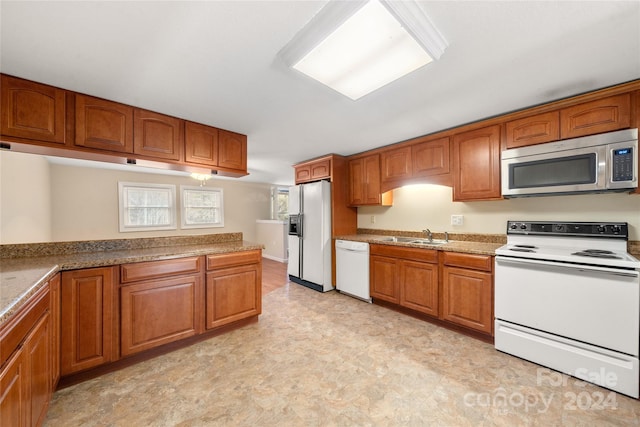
x,y
356,47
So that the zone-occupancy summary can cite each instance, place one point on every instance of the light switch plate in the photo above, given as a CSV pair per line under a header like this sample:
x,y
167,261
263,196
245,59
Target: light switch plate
x,y
457,219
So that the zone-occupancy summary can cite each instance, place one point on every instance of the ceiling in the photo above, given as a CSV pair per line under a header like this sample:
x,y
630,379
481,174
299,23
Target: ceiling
x,y
215,62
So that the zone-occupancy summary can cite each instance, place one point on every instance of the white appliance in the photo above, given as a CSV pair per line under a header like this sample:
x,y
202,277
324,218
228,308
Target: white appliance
x,y
592,164
310,235
567,296
352,269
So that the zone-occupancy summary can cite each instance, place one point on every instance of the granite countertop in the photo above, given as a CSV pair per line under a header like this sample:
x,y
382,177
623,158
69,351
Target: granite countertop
x,y
464,246
22,277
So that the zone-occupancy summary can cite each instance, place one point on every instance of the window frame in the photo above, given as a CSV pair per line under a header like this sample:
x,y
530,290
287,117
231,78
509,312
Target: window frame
x,y
184,189
123,188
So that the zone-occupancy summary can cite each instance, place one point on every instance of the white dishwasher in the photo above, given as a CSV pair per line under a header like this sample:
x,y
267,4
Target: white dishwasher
x,y
352,269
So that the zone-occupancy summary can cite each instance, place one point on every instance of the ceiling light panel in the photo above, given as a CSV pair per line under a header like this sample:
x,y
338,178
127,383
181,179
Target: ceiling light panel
x,y
369,50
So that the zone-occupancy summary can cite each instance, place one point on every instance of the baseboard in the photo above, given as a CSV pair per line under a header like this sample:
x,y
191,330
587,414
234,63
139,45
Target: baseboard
x,y
282,260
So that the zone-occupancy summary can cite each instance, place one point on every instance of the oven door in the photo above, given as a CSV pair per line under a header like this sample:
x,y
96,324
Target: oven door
x,y
595,305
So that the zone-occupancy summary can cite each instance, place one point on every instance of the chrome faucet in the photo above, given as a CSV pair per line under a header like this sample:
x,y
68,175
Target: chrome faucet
x,y
427,233
446,236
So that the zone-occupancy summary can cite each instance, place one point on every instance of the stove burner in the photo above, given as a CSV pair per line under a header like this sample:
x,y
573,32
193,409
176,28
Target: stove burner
x,y
595,253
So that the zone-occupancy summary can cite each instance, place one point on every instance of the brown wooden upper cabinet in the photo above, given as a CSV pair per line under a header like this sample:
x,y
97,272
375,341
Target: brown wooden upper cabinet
x,y
201,144
157,135
396,164
603,115
232,150
364,182
314,170
430,158
103,125
33,110
476,156
532,130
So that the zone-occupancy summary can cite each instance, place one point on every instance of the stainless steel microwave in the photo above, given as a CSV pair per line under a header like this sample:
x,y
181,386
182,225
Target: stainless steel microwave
x,y
590,164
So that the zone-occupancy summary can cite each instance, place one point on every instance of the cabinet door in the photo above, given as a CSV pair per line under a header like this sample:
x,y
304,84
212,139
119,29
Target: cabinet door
x,y
159,312
32,110
303,173
603,115
233,294
232,150
104,125
396,164
54,293
38,353
383,277
477,164
364,181
320,170
86,320
467,298
157,135
201,144
431,157
14,391
419,286
533,130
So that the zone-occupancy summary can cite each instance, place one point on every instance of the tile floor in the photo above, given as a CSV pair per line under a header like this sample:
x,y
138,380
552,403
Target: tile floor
x,y
330,360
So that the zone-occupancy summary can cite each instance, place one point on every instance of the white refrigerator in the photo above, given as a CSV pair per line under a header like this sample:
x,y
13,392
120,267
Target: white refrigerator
x,y
310,235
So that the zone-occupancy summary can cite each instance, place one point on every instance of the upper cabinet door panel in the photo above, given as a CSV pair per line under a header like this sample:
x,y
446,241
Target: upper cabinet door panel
x,y
157,135
232,150
396,164
201,144
104,125
603,115
533,130
32,110
431,157
320,169
477,164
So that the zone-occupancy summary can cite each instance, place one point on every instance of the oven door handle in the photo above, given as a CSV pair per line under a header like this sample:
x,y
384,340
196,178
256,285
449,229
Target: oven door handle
x,y
589,268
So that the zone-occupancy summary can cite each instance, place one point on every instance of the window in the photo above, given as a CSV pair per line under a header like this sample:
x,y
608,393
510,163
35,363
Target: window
x,y
280,203
146,207
202,207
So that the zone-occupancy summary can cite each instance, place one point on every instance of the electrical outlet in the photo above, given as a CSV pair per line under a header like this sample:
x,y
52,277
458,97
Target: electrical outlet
x,y
457,219
373,219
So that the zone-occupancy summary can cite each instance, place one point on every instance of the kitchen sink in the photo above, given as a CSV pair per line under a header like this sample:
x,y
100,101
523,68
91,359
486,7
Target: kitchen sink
x,y
415,240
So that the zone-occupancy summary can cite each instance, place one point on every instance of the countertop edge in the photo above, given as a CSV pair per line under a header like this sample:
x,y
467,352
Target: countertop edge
x,y
470,247
102,259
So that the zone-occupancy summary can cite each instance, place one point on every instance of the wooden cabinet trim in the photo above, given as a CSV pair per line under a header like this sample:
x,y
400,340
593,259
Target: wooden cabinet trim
x,y
153,269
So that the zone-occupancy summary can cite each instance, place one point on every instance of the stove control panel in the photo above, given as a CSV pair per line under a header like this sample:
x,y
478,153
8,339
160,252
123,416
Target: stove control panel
x,y
581,229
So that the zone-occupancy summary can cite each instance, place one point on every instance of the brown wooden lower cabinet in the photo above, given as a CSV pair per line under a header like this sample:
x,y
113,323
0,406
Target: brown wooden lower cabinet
x,y
86,318
233,293
26,375
467,293
405,276
158,312
14,391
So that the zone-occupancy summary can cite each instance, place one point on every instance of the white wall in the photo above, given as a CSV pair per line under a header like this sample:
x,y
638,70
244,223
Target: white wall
x,y
25,198
42,202
418,207
273,235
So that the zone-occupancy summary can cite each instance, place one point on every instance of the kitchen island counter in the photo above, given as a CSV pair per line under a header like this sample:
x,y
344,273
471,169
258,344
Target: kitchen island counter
x,y
22,276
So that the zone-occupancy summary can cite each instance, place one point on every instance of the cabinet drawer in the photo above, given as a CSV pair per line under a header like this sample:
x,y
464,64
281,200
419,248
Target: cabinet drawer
x,y
152,269
475,262
424,255
231,259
